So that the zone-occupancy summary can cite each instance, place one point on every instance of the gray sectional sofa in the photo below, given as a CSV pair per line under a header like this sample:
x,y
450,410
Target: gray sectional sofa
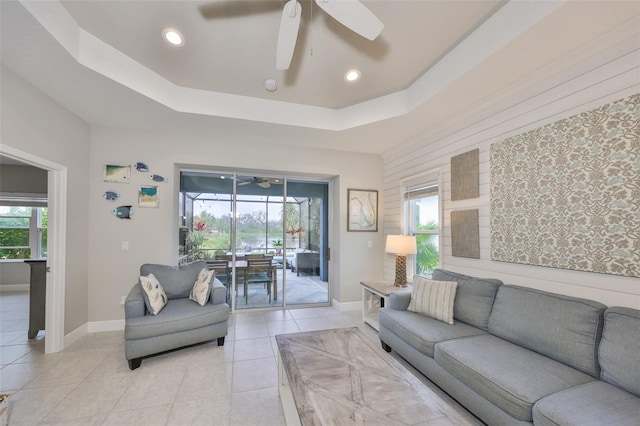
x,y
516,355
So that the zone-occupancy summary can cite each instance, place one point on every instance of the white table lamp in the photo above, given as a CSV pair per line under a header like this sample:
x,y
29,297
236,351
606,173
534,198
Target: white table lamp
x,y
401,246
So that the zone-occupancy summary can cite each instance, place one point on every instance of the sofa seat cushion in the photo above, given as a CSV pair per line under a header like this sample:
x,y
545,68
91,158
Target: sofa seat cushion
x,y
594,404
179,315
421,332
511,377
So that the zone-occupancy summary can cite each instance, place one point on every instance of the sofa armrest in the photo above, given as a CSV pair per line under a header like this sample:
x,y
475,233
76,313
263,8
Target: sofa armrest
x,y
134,303
399,300
218,292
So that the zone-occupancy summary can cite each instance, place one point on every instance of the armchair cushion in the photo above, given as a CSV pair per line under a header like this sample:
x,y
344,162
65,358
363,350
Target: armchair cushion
x,y
202,287
176,281
180,315
154,296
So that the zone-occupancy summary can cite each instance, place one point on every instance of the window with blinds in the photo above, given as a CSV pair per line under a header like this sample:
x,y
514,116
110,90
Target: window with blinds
x,y
422,219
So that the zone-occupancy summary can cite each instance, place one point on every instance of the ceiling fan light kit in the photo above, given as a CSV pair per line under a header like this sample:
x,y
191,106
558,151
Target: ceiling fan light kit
x,y
350,13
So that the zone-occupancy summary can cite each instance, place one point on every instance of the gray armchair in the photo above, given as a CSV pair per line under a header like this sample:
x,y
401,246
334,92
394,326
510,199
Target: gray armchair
x,y
182,322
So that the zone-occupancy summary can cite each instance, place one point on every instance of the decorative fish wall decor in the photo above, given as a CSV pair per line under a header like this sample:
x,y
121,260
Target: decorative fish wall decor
x,y
142,167
158,178
111,195
123,212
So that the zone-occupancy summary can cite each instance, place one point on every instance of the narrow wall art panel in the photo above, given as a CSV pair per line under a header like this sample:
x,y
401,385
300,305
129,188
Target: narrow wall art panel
x,y
465,234
465,170
567,195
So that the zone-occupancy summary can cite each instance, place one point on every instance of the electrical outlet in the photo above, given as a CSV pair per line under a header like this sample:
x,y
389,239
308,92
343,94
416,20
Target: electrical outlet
x,y
123,299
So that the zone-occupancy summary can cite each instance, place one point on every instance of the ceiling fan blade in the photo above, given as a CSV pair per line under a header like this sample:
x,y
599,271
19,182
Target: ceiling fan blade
x,y
246,182
353,15
289,25
264,185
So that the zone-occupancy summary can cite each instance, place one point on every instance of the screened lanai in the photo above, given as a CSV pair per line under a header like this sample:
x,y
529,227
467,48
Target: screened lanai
x,y
238,219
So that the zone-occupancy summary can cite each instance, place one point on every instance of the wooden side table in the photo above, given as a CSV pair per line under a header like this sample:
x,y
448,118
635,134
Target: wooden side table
x,y
374,294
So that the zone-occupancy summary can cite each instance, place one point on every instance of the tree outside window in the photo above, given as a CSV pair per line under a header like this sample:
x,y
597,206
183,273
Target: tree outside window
x,y
422,219
23,232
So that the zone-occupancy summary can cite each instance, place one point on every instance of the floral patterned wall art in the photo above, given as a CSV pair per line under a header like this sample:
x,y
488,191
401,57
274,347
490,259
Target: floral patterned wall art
x,y
567,195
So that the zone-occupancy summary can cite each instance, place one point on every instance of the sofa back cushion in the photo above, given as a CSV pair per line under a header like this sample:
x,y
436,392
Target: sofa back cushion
x,y
177,282
474,297
563,328
619,351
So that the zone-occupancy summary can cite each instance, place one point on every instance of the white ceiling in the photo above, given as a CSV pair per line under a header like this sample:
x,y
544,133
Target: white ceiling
x,y
434,63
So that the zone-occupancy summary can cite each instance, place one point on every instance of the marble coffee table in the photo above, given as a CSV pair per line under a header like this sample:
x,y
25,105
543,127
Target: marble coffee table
x,y
341,377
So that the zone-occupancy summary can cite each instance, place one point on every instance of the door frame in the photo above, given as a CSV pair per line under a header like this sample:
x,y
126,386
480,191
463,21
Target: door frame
x,y
56,244
330,180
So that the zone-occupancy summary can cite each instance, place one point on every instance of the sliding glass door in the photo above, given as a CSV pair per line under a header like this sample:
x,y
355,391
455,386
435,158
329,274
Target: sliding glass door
x,y
247,222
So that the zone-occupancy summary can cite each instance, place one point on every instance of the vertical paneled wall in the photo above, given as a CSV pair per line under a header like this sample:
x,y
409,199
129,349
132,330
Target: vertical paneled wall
x,y
612,77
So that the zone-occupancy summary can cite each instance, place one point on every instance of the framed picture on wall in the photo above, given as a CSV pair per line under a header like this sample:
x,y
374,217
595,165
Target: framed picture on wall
x,y
117,173
148,196
362,210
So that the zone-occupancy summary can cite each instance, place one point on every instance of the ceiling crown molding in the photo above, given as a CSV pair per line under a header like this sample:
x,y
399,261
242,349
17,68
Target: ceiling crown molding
x,y
509,22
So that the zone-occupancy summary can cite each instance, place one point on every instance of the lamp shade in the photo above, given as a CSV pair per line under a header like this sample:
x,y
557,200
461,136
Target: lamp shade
x,y
401,244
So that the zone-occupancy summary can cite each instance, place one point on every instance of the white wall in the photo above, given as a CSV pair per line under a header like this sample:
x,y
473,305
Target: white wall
x,y
613,76
35,124
152,233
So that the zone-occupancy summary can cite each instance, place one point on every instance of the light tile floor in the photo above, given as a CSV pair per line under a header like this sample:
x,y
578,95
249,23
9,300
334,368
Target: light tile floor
x,y
89,383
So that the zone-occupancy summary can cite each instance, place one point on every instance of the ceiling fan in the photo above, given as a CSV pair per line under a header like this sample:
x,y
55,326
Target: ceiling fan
x,y
261,182
350,13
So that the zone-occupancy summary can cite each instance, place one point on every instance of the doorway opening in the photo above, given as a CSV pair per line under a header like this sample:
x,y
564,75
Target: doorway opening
x,y
265,236
56,244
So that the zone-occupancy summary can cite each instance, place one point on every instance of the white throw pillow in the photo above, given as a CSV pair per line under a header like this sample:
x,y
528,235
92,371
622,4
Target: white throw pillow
x,y
154,296
201,288
433,298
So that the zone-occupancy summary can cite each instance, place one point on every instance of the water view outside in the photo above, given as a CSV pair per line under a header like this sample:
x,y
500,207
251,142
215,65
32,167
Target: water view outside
x,y
259,225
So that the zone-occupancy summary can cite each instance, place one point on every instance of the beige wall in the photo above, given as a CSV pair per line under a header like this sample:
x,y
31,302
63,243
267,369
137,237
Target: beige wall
x,y
98,271
35,124
600,81
152,233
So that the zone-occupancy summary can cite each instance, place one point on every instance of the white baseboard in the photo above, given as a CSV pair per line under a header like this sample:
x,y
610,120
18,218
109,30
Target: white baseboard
x,y
75,335
14,287
347,306
92,327
100,326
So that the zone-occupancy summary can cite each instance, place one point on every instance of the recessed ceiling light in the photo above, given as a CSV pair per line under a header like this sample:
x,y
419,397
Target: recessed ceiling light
x,y
352,75
173,36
